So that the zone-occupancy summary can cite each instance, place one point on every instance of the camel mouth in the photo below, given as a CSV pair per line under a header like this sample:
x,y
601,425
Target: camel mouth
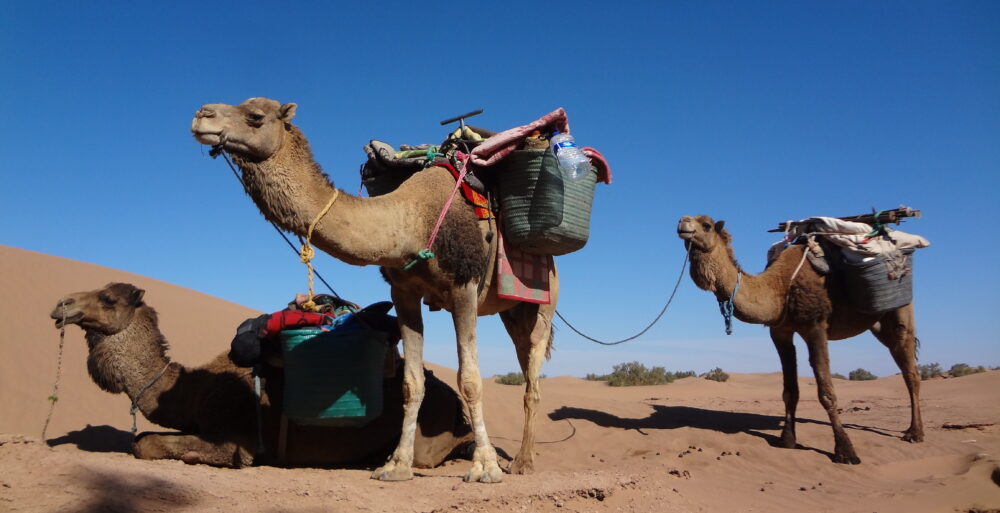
x,y
685,234
208,138
63,322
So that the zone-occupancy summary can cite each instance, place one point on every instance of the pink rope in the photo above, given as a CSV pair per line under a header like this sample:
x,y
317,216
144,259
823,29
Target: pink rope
x,y
463,161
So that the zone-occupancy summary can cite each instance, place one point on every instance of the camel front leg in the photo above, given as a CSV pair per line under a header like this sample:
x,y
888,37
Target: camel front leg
x,y
784,343
193,449
400,464
485,468
896,330
530,327
819,359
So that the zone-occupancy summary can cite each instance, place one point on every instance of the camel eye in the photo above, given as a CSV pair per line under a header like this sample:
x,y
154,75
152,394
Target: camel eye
x,y
706,226
107,301
255,117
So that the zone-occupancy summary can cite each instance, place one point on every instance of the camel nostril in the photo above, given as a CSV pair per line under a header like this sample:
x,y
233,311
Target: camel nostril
x,y
67,302
206,113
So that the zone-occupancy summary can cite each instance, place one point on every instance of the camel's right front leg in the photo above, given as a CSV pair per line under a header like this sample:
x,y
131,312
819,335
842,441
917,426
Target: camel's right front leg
x,y
400,464
819,359
784,343
193,449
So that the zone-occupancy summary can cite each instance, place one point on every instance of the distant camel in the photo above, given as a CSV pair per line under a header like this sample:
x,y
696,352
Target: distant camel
x,y
814,306
391,230
213,406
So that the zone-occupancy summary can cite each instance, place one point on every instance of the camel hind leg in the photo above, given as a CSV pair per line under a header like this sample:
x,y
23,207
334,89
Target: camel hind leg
x,y
897,331
530,327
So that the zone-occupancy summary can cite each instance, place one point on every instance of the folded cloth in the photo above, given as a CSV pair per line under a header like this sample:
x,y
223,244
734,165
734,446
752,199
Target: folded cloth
x,y
495,148
522,276
857,237
473,197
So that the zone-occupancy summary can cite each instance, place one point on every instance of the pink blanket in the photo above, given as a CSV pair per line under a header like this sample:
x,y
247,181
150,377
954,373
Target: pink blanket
x,y
497,147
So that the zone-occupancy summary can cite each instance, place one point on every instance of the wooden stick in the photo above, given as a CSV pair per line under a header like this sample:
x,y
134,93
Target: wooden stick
x,y
885,216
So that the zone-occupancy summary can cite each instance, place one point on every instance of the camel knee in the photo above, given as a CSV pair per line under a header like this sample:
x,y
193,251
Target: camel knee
x,y
470,389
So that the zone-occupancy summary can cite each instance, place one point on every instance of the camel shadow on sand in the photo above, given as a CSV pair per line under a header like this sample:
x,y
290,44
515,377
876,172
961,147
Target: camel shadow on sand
x,y
673,417
96,439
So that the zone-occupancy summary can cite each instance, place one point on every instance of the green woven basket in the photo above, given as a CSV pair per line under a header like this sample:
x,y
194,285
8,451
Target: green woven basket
x,y
543,211
333,378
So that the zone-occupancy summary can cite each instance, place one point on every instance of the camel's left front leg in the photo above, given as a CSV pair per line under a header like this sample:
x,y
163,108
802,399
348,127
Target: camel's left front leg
x,y
400,464
819,359
485,468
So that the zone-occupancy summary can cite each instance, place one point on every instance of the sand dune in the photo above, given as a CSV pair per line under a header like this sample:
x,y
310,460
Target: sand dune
x,y
693,445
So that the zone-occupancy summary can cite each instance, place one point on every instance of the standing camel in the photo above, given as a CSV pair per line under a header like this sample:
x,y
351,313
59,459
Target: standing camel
x,y
291,190
814,306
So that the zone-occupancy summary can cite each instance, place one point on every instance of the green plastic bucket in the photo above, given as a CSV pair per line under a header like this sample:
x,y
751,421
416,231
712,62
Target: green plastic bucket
x,y
333,378
543,211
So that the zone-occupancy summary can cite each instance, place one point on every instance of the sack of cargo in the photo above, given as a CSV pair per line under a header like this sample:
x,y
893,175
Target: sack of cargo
x,y
334,378
882,283
543,211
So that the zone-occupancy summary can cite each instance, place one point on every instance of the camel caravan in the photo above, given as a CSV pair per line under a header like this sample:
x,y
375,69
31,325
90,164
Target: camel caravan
x,y
469,226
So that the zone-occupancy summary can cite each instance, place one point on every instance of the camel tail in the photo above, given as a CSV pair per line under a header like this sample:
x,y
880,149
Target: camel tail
x,y
552,342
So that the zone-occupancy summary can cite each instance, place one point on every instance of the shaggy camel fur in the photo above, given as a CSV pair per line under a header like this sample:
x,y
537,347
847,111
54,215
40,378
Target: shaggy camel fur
x,y
213,406
815,307
291,190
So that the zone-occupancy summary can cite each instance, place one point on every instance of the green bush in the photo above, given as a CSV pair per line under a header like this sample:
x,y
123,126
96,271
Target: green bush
x,y
684,374
861,375
511,378
929,370
596,377
960,369
635,374
716,374
837,375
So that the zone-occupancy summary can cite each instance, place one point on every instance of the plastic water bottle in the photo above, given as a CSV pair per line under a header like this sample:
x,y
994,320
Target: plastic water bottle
x,y
572,161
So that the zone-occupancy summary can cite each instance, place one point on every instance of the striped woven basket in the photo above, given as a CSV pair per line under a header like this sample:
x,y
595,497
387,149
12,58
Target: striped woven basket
x,y
543,211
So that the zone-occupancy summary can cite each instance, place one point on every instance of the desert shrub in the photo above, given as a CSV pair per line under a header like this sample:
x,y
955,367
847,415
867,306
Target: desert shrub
x,y
511,378
716,374
929,370
636,374
960,369
861,375
837,375
684,374
596,377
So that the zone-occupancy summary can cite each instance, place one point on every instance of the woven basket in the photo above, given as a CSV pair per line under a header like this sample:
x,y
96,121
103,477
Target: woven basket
x,y
333,378
873,291
543,211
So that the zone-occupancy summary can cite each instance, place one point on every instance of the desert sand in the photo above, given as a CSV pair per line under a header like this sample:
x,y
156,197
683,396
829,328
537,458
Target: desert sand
x,y
693,445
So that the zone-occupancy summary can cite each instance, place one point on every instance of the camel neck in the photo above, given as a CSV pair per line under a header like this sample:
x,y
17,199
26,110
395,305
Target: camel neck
x,y
760,298
291,190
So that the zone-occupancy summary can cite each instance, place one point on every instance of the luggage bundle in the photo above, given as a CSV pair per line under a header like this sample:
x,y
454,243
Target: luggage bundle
x,y
541,196
876,263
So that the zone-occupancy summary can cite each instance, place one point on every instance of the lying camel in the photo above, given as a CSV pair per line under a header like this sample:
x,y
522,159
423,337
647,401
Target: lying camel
x,y
213,406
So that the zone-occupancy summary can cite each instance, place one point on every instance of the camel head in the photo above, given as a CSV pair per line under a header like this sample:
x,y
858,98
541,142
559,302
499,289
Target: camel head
x,y
107,310
254,129
701,233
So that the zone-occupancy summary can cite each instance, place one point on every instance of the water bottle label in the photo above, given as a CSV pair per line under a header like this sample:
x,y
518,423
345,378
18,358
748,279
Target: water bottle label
x,y
566,144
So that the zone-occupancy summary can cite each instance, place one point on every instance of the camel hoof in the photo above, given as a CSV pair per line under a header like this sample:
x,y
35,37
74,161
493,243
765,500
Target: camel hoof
x,y
521,467
787,442
913,438
847,459
492,474
393,473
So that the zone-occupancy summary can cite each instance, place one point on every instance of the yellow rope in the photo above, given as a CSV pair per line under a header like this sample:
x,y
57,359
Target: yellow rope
x,y
307,253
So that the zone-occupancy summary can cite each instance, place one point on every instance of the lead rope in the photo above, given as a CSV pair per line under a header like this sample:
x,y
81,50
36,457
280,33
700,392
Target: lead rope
x,y
55,389
135,402
644,330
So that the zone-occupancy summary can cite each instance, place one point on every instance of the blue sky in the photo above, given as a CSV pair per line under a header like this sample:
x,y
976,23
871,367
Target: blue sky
x,y
752,112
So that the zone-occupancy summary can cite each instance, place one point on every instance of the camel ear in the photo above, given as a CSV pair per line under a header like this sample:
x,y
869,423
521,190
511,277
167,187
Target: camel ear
x,y
719,226
287,111
135,297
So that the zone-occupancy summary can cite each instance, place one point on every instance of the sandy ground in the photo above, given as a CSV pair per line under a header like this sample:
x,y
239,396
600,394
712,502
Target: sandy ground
x,y
693,445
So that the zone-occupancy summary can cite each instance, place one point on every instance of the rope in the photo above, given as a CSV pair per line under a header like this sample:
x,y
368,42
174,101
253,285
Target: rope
x,y
260,426
215,152
427,254
644,330
306,254
55,389
727,306
135,401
